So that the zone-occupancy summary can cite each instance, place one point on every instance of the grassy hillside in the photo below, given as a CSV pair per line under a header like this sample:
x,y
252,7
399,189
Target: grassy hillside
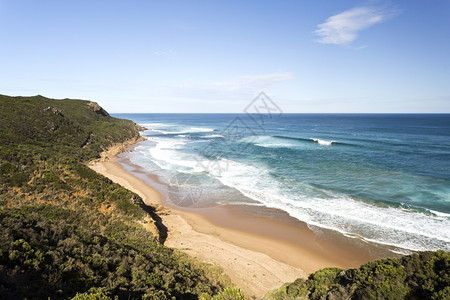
x,y
72,128
66,231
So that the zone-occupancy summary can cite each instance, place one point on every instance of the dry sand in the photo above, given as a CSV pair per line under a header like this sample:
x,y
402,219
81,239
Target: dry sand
x,y
258,253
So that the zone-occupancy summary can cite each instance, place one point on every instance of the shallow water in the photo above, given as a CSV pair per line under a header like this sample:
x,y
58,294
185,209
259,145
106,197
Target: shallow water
x,y
381,178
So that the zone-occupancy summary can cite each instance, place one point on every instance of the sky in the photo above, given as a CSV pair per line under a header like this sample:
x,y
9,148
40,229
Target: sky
x,y
321,56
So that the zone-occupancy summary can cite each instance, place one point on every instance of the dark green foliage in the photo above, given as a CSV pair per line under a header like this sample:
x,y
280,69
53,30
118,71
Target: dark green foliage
x,y
320,282
297,288
428,275
85,172
381,279
423,275
66,231
18,179
47,251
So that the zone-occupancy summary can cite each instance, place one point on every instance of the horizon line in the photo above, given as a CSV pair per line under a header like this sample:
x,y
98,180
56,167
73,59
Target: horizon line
x,y
298,113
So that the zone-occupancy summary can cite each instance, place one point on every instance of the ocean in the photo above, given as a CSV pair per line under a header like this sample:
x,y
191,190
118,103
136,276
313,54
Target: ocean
x,y
381,178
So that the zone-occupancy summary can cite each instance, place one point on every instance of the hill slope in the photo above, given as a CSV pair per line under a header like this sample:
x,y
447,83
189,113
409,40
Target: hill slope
x,y
65,229
424,275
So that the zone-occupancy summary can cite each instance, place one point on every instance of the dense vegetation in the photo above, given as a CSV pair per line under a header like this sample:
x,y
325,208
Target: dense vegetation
x,y
66,231
424,275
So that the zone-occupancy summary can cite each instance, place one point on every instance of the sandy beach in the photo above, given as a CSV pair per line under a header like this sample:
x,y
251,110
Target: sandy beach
x,y
258,248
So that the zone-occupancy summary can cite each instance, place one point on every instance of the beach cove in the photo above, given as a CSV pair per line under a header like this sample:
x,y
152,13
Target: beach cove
x,y
259,249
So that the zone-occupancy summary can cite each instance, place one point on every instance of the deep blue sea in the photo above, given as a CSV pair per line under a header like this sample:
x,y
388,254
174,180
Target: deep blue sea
x,y
383,178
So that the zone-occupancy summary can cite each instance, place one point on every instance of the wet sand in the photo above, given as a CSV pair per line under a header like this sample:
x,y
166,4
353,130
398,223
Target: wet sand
x,y
259,248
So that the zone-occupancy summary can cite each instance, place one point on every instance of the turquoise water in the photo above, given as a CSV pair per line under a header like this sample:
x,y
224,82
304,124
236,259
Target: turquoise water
x,y
381,178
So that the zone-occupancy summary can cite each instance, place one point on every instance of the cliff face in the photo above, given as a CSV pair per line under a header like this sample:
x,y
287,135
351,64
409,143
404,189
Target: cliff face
x,y
65,229
93,106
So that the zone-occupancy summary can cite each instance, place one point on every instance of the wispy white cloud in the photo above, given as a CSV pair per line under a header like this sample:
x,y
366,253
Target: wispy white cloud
x,y
343,28
238,87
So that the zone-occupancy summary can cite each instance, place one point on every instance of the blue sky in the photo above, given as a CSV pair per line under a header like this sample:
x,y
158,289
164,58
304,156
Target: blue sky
x,y
216,56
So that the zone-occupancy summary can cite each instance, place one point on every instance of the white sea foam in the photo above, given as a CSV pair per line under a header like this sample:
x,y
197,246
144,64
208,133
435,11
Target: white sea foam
x,y
440,214
381,224
165,154
273,145
323,142
183,130
201,129
212,136
269,142
169,128
401,251
272,142
158,130
397,227
154,125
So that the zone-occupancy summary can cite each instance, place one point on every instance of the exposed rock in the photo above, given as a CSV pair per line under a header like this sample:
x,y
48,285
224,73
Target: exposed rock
x,y
54,111
87,141
161,210
118,148
140,128
346,276
93,106
52,126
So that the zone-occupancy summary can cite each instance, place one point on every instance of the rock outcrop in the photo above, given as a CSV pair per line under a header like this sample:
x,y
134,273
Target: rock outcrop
x,y
93,106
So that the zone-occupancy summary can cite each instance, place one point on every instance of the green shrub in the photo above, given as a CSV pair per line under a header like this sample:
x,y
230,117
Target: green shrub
x,y
93,294
423,275
18,179
229,293
320,282
381,279
6,168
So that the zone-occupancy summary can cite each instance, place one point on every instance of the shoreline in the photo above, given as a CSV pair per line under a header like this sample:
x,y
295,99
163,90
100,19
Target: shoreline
x,y
259,248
